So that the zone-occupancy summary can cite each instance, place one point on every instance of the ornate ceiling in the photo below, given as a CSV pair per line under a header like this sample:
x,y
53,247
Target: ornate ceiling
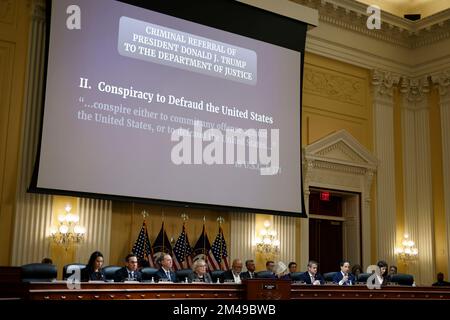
x,y
402,7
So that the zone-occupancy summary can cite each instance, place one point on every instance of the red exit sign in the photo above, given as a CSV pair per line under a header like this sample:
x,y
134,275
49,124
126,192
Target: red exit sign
x,y
325,196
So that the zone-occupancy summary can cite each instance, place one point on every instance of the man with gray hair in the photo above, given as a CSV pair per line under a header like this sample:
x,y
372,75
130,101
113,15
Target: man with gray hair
x,y
311,276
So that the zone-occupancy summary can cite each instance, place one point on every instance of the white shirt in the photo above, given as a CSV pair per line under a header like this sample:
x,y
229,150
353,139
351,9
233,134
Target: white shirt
x,y
342,281
237,278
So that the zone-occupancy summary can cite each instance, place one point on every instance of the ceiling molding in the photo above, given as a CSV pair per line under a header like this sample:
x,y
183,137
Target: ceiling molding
x,y
351,15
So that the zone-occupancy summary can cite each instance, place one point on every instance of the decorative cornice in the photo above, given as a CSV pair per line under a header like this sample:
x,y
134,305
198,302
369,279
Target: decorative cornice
x,y
351,15
383,82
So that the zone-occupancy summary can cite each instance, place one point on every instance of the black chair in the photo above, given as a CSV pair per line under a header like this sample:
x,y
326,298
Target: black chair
x,y
362,277
66,275
148,273
265,275
296,276
329,276
39,272
183,274
402,279
110,272
216,274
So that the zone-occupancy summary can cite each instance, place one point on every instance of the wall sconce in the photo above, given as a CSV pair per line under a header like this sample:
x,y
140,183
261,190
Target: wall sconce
x,y
407,252
68,232
267,243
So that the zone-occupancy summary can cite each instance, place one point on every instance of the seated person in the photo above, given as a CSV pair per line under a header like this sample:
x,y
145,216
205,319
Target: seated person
x,y
250,273
311,276
93,270
165,273
356,270
344,278
233,275
392,270
130,272
47,261
440,281
292,267
383,277
200,273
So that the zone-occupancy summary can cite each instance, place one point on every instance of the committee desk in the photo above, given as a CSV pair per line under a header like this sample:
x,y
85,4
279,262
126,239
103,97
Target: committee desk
x,y
258,289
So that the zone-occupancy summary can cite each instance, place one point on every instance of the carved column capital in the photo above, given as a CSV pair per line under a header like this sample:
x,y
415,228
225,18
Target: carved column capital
x,y
415,90
442,81
383,82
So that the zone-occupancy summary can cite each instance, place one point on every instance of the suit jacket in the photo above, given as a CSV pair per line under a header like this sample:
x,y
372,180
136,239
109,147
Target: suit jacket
x,y
88,274
307,279
193,277
338,277
228,275
246,275
161,275
122,274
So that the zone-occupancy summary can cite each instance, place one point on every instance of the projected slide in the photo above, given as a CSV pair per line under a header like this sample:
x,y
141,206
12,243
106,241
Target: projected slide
x,y
145,105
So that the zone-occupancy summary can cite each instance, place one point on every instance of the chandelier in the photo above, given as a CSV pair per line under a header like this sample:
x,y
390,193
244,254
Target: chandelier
x,y
267,243
407,252
68,231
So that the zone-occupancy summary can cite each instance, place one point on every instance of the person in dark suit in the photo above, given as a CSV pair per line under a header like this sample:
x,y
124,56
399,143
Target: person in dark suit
x,y
344,277
93,270
250,273
440,281
200,273
165,273
130,272
311,276
233,275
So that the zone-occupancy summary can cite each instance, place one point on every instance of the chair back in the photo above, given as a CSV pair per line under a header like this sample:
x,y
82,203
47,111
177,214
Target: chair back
x,y
329,276
362,277
39,272
183,274
216,274
296,276
110,272
148,273
403,279
66,267
265,275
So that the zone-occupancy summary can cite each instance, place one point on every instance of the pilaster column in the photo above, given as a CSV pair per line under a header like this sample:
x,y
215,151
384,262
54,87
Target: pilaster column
x,y
383,108
443,82
33,212
242,226
417,176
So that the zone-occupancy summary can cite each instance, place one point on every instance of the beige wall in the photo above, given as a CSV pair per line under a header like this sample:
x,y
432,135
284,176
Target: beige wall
x,y
14,22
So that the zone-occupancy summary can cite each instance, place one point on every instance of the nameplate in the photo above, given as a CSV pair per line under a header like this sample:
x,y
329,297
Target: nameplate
x,y
269,286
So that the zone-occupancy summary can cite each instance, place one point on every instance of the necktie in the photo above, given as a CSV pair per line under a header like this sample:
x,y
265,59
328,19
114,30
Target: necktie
x,y
251,275
168,275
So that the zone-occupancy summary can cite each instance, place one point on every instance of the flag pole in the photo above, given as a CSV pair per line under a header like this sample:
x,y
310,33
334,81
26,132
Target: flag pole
x,y
220,220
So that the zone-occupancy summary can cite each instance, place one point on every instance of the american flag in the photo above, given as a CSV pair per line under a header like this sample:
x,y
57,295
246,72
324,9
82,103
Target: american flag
x,y
219,254
142,247
182,252
162,244
202,249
